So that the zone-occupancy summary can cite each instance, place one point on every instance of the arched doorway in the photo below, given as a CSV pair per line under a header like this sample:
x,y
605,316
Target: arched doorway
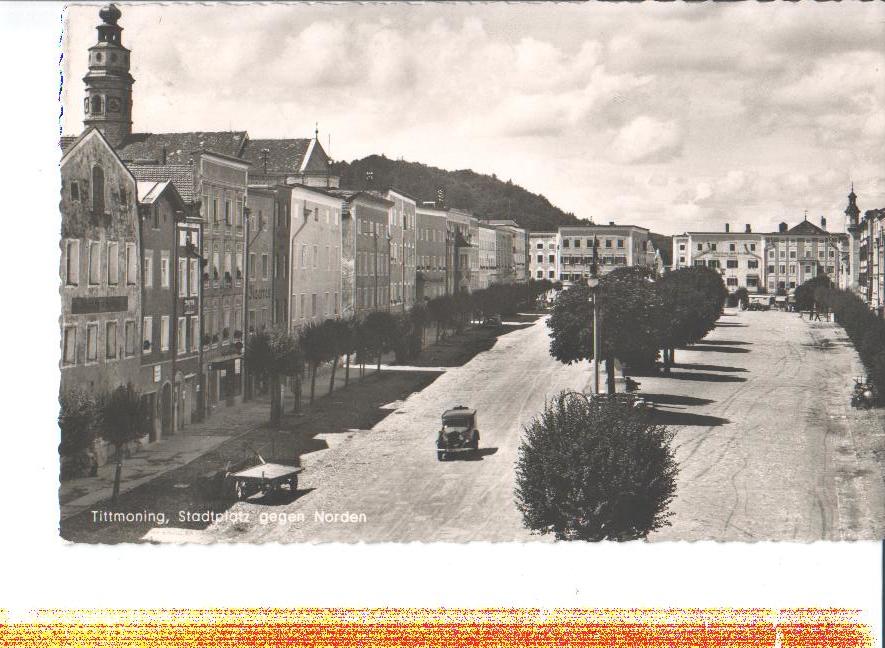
x,y
166,410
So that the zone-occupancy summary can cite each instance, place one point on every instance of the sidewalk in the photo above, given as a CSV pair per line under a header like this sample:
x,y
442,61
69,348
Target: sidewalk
x,y
225,423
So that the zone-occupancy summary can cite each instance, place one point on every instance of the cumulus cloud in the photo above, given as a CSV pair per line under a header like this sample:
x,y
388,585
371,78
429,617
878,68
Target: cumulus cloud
x,y
647,140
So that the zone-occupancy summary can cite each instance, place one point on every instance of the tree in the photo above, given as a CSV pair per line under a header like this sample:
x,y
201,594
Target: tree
x,y
76,421
338,339
122,418
806,297
742,295
378,330
317,347
594,469
273,354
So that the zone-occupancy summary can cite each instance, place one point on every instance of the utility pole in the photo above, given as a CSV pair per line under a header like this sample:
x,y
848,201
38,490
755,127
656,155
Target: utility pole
x,y
593,283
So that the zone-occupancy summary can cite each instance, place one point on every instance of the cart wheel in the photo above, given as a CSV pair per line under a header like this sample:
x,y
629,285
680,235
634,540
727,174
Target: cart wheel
x,y
241,491
293,484
440,455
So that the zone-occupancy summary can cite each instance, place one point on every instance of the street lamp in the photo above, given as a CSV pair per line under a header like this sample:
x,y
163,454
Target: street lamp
x,y
593,284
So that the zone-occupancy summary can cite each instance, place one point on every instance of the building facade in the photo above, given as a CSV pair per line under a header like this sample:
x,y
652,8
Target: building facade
x,y
618,246
740,256
315,251
402,257
462,251
100,269
504,256
520,246
488,255
544,256
795,255
432,272
871,273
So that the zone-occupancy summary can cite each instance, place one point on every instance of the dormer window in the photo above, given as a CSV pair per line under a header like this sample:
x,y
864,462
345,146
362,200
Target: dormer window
x,y
96,105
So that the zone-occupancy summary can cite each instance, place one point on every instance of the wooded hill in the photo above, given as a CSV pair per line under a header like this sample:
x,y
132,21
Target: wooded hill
x,y
487,196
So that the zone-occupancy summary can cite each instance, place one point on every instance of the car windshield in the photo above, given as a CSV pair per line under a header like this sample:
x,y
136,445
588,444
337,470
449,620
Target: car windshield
x,y
456,424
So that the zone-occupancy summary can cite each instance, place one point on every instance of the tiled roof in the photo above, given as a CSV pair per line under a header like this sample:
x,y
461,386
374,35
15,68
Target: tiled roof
x,y
283,155
806,227
179,147
67,141
181,175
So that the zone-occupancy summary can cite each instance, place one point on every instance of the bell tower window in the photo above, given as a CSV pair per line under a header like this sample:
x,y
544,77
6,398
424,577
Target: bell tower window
x,y
96,105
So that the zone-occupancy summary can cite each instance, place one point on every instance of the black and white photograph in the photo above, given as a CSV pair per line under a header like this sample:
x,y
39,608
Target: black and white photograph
x,y
467,272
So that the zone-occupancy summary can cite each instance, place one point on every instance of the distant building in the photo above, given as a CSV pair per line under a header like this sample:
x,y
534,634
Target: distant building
x,y
488,257
369,212
432,271
544,255
617,246
100,269
739,256
504,267
315,284
520,247
402,249
871,254
289,162
462,251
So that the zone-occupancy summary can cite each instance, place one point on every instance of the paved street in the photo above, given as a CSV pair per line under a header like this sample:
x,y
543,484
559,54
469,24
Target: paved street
x,y
768,447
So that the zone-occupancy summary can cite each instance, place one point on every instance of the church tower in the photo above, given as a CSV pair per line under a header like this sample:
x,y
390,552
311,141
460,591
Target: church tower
x,y
108,102
852,213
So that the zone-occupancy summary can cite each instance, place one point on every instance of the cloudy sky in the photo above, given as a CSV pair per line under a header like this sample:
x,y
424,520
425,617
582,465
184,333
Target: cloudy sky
x,y
672,116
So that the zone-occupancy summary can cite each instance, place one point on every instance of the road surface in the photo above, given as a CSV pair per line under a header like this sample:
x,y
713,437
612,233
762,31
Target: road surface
x,y
767,445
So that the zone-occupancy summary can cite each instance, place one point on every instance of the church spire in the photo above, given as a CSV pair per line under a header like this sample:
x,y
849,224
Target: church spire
x,y
108,102
852,212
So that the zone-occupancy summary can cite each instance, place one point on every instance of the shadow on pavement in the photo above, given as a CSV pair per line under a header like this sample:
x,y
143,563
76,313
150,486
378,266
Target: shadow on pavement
x,y
727,342
674,399
706,367
720,349
280,498
665,417
703,377
729,325
474,456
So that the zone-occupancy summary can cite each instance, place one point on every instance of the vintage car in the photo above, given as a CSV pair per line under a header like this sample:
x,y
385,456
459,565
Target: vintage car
x,y
458,432
492,321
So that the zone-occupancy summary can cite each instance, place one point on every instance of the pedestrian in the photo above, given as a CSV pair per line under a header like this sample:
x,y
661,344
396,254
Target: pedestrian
x,y
817,315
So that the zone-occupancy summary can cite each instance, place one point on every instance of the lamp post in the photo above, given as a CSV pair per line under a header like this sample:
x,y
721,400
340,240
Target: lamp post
x,y
593,284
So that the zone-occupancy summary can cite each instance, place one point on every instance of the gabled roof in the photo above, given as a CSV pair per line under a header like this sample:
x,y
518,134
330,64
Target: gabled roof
x,y
88,134
806,227
283,155
350,195
178,148
67,141
180,175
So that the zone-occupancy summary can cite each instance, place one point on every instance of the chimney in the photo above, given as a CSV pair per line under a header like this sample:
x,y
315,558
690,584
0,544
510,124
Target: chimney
x,y
748,229
782,228
727,228
823,222
611,222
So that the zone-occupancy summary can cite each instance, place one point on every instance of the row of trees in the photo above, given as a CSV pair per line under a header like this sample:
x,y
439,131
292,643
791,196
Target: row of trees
x,y
276,354
641,317
865,330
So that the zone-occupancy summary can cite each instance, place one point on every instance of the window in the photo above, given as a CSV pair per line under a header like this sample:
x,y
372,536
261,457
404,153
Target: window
x,y
147,334
215,209
783,269
565,243
731,247
113,263
164,333
94,262
700,247
131,265
316,256
239,266
164,269
227,211
251,266
539,274
110,340
92,342
540,246
182,335
181,278
313,305
752,247
194,277
228,264
731,263
551,274
97,189
72,263
552,258
69,356
216,265
155,214
682,247
752,264
195,333
713,247
303,301
265,268
731,281
303,256
129,341
149,269
620,243
792,254
681,259
608,243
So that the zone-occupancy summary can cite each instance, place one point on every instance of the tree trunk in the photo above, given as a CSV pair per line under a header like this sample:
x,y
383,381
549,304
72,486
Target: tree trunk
x,y
118,474
313,379
673,356
380,353
275,400
666,354
347,371
332,379
610,374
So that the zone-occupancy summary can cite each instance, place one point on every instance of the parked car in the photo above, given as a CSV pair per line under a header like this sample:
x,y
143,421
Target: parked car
x,y
458,434
492,321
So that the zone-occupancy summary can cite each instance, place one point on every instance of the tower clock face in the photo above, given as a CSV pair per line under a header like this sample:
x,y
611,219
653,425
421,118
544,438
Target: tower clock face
x,y
113,104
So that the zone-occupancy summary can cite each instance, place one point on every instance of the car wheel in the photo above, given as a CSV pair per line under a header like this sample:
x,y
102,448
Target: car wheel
x,y
474,442
293,484
440,455
241,491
